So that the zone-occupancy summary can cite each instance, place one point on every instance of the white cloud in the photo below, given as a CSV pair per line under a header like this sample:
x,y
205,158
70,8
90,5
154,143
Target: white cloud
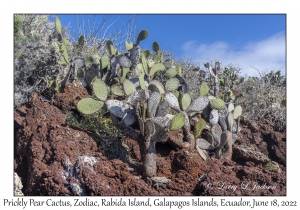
x,y
265,55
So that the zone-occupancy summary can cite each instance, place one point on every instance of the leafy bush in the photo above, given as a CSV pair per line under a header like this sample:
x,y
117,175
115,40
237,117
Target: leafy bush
x,y
34,61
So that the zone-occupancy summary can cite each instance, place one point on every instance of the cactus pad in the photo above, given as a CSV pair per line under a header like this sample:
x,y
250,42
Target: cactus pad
x,y
118,108
198,104
80,73
155,47
128,45
153,103
162,109
100,89
216,131
214,117
217,104
185,101
149,128
171,72
123,74
163,122
177,121
147,53
130,117
230,107
172,84
110,48
81,41
128,87
65,52
203,144
142,81
171,99
150,63
199,126
237,112
89,106
124,61
158,85
204,89
230,120
137,96
156,67
223,118
142,35
57,25
90,75
115,89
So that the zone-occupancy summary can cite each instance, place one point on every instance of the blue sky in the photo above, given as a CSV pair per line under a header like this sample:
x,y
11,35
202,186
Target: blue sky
x,y
243,40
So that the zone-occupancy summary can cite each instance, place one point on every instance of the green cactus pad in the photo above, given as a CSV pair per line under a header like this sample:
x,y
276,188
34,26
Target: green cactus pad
x,y
115,89
153,103
144,63
147,53
237,112
217,104
89,60
128,87
150,63
80,73
100,89
176,93
158,57
123,74
155,47
65,41
199,126
156,67
65,52
172,84
81,41
211,97
142,35
158,85
128,45
55,46
89,106
153,88
177,122
179,70
110,48
104,60
140,69
57,25
185,101
204,89
171,72
230,107
142,81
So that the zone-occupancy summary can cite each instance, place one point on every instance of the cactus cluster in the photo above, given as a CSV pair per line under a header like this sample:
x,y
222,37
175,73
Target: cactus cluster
x,y
142,90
